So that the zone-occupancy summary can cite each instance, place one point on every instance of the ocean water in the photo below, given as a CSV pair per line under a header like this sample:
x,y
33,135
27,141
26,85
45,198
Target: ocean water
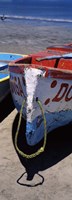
x,y
32,25
38,12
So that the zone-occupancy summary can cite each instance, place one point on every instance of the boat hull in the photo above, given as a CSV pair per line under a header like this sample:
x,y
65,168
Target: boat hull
x,y
52,87
5,58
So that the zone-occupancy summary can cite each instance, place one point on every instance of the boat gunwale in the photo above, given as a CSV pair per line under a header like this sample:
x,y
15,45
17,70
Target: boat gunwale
x,y
39,67
4,79
48,72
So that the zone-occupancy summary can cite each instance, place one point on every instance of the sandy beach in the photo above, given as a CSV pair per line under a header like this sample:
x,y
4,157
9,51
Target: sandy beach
x,y
48,176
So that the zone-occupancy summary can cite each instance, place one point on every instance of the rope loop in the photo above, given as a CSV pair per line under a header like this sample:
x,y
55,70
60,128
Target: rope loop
x,y
17,132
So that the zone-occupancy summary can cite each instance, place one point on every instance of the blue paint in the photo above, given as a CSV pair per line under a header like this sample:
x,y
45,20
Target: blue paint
x,y
4,66
9,57
3,76
65,56
30,129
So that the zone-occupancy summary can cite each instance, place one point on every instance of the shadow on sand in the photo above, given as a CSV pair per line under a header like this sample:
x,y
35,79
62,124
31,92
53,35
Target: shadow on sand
x,y
6,107
59,146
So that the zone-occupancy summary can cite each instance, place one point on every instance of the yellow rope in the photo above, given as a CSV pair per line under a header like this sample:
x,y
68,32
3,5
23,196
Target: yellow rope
x,y
45,134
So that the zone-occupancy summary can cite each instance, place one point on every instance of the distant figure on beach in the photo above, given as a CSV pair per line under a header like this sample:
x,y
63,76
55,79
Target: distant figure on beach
x,y
3,17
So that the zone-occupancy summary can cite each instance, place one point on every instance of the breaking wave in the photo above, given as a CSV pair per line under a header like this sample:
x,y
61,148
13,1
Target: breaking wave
x,y
35,19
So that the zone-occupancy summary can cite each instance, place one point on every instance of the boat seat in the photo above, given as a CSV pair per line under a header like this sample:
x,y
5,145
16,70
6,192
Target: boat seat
x,y
47,63
55,63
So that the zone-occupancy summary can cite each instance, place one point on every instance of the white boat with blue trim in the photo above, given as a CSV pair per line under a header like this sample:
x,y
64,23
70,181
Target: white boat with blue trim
x,y
41,87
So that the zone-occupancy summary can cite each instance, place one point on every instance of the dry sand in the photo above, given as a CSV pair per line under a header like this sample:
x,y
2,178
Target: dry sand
x,y
48,176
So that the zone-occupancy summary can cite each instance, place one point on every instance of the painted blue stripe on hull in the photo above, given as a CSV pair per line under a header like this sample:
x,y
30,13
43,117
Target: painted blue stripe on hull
x,y
3,76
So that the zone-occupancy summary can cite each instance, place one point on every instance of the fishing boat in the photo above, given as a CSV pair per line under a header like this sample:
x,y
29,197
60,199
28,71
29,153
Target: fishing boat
x,y
41,87
5,58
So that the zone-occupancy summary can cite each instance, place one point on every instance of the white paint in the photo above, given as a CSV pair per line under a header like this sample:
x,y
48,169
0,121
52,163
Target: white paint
x,y
31,78
56,113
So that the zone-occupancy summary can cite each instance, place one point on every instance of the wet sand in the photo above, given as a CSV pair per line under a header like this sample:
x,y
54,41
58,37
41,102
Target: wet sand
x,y
48,176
